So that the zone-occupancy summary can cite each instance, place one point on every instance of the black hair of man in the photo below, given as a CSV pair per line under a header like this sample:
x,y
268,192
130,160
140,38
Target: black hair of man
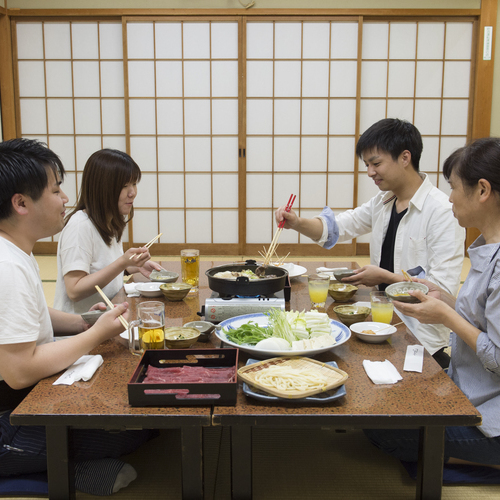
x,y
392,136
23,170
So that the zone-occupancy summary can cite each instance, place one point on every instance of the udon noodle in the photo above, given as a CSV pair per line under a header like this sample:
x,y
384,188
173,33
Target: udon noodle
x,y
290,379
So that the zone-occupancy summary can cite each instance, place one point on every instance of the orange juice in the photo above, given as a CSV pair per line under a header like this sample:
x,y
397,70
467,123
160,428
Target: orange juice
x,y
318,290
382,312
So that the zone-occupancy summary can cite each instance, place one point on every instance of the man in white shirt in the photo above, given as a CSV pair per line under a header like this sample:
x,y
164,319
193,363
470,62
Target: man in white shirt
x,y
411,223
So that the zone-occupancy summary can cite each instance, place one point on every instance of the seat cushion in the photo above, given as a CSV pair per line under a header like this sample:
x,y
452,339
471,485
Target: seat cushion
x,y
34,484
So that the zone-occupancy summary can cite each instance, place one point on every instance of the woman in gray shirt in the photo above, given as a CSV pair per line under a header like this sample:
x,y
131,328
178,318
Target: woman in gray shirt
x,y
474,316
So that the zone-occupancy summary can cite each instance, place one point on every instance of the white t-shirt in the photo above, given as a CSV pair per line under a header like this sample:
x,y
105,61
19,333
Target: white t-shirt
x,y
24,315
81,248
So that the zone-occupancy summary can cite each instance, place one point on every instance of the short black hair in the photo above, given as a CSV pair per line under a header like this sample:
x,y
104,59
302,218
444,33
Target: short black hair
x,y
392,136
23,170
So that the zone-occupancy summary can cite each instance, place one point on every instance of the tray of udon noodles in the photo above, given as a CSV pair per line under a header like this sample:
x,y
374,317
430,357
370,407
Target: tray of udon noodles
x,y
292,377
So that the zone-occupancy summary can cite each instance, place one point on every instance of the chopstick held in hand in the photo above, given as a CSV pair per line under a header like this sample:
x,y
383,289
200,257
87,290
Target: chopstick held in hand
x,y
147,245
123,321
274,243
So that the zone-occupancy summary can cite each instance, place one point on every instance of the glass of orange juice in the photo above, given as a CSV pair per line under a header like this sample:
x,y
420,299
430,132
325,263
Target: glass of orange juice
x,y
318,289
382,307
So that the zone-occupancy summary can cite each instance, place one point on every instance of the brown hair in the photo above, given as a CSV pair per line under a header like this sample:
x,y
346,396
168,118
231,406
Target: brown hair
x,y
104,176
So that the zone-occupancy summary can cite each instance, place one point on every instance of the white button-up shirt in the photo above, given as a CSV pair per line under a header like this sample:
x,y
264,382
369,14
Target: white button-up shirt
x,y
428,236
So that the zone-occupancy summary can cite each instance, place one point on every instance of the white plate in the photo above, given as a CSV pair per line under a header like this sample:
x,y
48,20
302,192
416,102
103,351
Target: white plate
x,y
294,270
339,331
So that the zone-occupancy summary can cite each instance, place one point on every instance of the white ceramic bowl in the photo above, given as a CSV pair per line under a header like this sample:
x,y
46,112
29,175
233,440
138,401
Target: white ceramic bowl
x,y
385,331
149,289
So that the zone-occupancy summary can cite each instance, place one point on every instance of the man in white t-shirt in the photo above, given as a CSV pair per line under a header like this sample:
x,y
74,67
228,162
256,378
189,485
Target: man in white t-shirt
x,y
32,206
411,223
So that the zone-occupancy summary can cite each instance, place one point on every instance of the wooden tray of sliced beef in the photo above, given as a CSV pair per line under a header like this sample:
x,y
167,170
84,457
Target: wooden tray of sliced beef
x,y
185,377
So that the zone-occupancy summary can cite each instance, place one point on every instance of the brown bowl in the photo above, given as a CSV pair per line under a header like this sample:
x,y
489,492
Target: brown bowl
x,y
180,337
175,291
351,314
341,292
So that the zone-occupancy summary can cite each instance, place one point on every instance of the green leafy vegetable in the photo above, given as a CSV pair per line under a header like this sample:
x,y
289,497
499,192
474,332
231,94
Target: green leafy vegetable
x,y
249,333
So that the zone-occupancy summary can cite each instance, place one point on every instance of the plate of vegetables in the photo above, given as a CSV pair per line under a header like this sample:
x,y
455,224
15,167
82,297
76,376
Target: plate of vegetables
x,y
283,333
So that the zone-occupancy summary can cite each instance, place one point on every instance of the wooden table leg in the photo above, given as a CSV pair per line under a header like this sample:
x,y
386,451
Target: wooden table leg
x,y
59,470
241,462
430,463
192,463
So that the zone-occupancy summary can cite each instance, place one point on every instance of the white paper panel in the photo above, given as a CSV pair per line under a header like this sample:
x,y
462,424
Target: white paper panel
x,y
60,116
312,191
225,191
84,40
31,79
260,78
141,79
375,40
69,188
225,154
140,41
260,40
196,40
142,116
64,147
373,79
288,235
428,116
225,79
401,79
224,40
110,41
170,154
86,78
403,41
59,81
113,116
114,142
343,78
341,154
366,187
260,226
112,79
171,189
429,161
286,154
198,157
259,154
170,116
85,146
456,79
314,154
168,38
197,116
344,40
455,114
224,116
287,79
316,40
342,116
259,116
225,226
284,185
197,79
371,111
169,79
315,79
259,190
87,116
143,151
340,190
458,40
198,226
314,116
57,40
400,108
146,192
145,223
430,41
172,226
29,41
288,40
429,79
441,183
287,116
448,145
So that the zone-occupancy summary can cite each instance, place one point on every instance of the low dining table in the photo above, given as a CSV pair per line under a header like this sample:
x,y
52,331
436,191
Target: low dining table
x,y
428,401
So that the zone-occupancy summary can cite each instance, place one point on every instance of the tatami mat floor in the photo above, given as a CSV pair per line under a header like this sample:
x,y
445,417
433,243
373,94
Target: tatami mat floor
x,y
287,464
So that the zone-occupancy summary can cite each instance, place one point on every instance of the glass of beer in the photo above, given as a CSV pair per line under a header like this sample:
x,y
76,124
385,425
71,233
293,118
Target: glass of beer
x,y
382,307
150,325
190,268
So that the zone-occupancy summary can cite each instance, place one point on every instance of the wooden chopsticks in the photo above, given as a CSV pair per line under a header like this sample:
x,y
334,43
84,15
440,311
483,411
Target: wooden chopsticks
x,y
274,244
406,275
147,245
123,321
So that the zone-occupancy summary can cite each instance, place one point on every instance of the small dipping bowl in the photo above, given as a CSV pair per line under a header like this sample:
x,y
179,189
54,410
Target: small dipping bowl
x,y
163,276
180,337
351,314
205,328
149,289
175,291
399,291
91,317
341,292
343,273
373,338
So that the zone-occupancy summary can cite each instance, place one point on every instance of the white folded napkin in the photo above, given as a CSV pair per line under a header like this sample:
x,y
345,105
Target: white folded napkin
x,y
381,372
83,369
330,269
363,304
130,290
